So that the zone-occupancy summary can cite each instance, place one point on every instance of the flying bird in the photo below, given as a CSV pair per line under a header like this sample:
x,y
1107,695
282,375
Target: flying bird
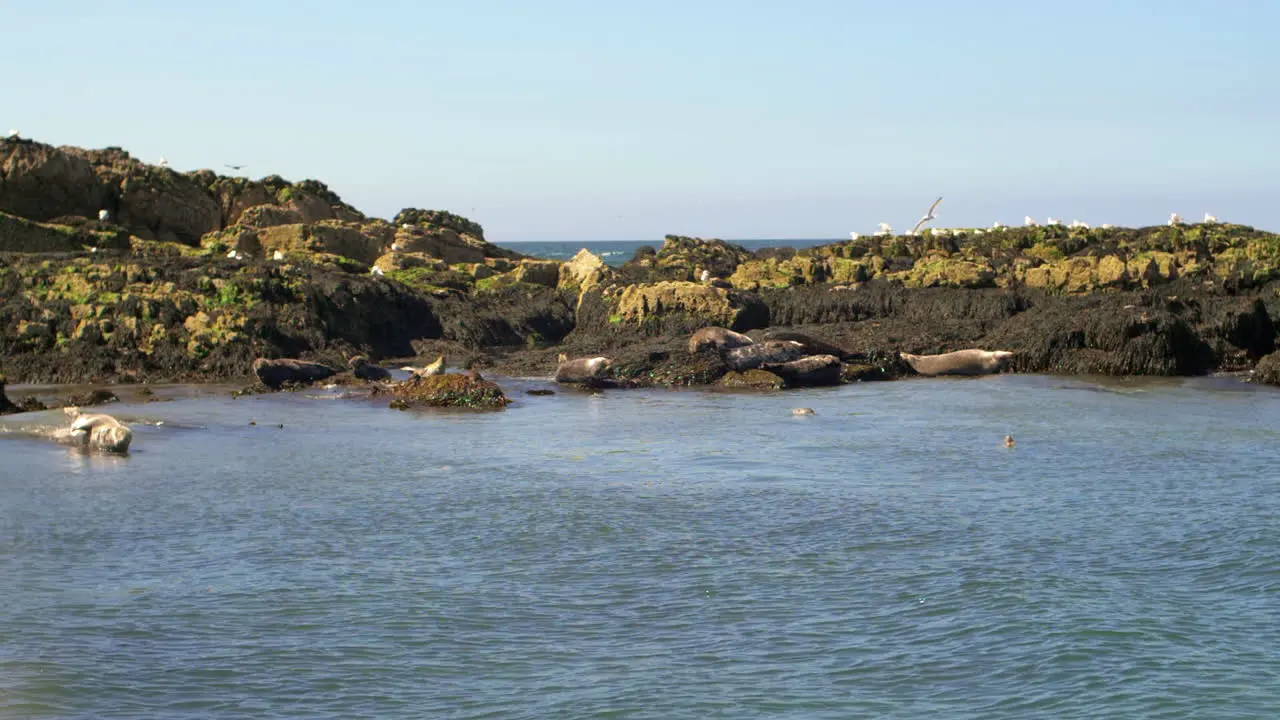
x,y
927,217
237,168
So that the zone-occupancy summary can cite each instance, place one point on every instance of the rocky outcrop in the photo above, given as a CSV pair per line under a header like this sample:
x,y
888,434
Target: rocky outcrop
x,y
1268,370
447,390
584,272
685,307
6,406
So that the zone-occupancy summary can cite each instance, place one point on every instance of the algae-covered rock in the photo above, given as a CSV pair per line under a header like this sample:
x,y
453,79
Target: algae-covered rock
x,y
947,272
447,390
1267,370
693,305
21,235
689,256
585,271
537,272
755,379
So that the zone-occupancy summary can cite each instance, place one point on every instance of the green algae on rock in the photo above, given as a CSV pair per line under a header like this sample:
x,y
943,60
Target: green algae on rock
x,y
447,390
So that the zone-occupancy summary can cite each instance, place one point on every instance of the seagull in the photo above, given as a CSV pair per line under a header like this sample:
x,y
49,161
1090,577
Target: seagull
x,y
103,215
235,255
706,276
376,271
277,255
1030,221
93,249
997,225
237,168
885,229
940,232
1053,221
854,236
406,226
1210,219
164,162
1079,225
1107,226
14,133
1175,219
929,216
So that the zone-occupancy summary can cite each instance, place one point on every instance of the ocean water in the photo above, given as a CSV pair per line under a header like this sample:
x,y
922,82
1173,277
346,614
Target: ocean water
x,y
616,253
654,554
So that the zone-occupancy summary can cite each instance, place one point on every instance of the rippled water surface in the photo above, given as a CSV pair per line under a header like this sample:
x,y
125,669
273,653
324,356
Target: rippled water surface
x,y
654,554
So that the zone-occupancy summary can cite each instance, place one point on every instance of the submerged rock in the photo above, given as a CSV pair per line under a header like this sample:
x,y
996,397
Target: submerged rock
x,y
448,390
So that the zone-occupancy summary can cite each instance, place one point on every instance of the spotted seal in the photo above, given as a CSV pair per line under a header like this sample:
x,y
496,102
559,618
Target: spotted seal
x,y
960,362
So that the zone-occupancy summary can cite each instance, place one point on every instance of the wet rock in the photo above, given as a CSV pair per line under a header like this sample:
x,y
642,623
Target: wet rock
x,y
751,380
1267,370
448,390
6,406
92,398
275,374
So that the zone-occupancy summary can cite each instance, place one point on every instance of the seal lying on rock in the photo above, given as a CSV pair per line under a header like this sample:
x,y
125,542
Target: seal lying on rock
x,y
582,370
98,432
274,373
750,357
812,345
718,339
960,362
365,370
811,370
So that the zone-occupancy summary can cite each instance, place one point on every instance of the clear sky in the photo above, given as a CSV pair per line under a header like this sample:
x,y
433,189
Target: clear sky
x,y
600,120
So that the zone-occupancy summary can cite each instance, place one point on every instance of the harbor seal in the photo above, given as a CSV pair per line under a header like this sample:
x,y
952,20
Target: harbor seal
x,y
435,368
718,339
812,345
960,362
365,370
98,432
275,373
809,370
582,371
750,357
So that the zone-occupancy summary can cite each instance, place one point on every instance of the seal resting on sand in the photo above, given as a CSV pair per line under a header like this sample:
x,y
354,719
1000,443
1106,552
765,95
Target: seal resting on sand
x,y
581,370
99,432
960,362
810,370
274,373
365,370
750,357
717,338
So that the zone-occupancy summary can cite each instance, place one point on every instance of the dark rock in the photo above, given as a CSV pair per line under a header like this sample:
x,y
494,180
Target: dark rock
x,y
275,374
539,393
91,398
6,407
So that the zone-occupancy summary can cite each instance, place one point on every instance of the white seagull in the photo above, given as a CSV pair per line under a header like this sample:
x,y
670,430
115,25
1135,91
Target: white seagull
x,y
1175,219
164,162
928,216
854,236
14,133
103,215
1107,226
376,271
997,225
1079,225
706,276
885,229
1030,221
1053,221
277,255
1210,219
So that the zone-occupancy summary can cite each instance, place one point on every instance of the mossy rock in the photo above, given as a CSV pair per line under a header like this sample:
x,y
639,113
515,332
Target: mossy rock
x,y
947,272
448,390
752,380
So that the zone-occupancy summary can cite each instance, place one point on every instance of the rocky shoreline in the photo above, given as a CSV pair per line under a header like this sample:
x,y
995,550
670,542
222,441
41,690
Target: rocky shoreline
x,y
115,271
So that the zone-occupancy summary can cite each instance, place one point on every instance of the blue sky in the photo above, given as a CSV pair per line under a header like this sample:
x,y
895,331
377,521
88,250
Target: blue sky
x,y
590,120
